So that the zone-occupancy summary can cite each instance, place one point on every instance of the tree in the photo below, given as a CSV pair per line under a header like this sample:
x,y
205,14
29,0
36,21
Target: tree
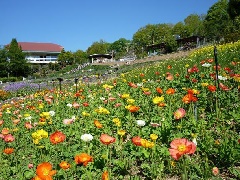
x,y
194,25
100,47
80,57
18,63
180,29
65,58
217,23
233,8
120,47
153,34
4,69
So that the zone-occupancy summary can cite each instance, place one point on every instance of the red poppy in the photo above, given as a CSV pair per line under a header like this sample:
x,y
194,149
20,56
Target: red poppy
x,y
157,73
83,159
136,141
106,139
188,98
85,104
141,75
180,147
44,171
210,60
212,88
169,67
57,137
77,94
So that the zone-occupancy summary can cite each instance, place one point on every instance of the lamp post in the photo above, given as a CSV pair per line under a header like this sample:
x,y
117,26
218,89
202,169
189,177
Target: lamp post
x,y
76,81
60,83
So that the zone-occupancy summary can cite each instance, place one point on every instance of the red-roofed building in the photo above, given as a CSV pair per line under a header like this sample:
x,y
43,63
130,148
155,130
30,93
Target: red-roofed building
x,y
41,53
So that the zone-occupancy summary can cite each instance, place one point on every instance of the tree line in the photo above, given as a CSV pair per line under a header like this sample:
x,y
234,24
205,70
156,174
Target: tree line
x,y
221,24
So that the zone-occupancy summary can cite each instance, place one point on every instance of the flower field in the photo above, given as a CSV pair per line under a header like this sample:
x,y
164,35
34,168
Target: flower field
x,y
176,119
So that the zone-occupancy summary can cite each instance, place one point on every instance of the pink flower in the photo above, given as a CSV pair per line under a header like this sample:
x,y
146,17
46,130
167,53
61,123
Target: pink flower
x,y
118,104
28,125
215,171
9,138
68,121
30,166
180,113
180,147
75,105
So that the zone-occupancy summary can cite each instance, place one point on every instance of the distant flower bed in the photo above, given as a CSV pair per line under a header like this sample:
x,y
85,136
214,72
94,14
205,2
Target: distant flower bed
x,y
170,119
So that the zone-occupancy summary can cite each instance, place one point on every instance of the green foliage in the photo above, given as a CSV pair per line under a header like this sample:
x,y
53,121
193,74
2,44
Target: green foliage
x,y
18,65
217,23
120,47
100,47
233,8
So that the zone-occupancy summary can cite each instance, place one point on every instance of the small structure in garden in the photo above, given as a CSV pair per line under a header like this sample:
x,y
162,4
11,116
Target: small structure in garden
x,y
190,42
101,58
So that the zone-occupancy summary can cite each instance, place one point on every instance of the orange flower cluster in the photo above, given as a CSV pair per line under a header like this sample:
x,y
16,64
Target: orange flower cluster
x,y
44,172
190,97
57,137
83,158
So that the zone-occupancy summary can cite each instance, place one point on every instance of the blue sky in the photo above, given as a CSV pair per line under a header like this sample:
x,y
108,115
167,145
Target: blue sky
x,y
77,24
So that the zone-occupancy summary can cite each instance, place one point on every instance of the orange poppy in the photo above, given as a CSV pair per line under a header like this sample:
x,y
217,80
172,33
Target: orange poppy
x,y
161,104
133,108
137,140
170,91
64,165
159,90
106,139
8,150
188,98
212,88
83,158
105,175
57,137
180,147
98,124
44,171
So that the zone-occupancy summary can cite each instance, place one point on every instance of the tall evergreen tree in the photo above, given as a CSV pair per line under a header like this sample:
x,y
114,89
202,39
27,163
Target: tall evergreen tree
x,y
18,63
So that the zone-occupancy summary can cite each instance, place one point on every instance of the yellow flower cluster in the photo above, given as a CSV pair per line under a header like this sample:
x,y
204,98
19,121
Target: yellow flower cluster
x,y
117,121
130,101
158,99
38,135
102,110
84,113
106,86
147,144
125,96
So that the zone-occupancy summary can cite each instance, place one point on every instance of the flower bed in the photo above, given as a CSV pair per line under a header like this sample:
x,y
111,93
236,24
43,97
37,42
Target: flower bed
x,y
174,118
